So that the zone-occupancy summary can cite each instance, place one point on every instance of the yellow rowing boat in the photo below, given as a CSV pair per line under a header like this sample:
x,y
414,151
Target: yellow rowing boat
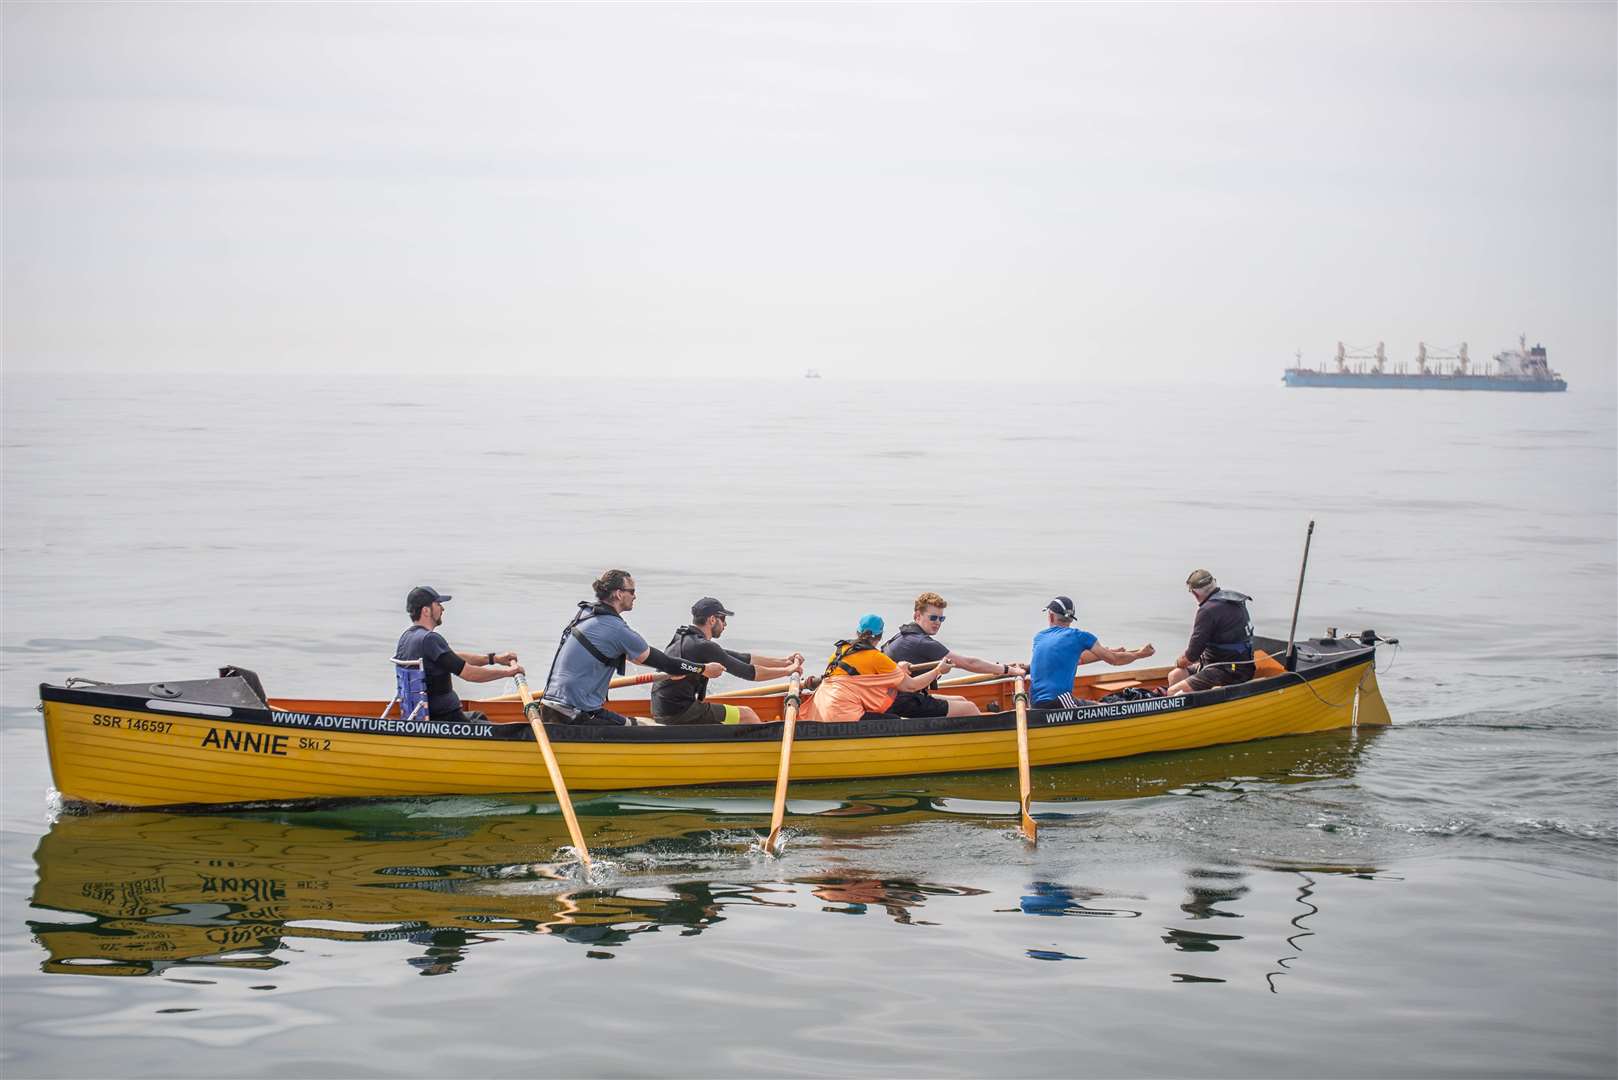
x,y
212,742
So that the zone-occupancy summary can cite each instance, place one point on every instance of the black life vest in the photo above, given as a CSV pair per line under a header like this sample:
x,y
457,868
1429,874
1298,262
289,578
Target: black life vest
x,y
843,650
676,649
1235,651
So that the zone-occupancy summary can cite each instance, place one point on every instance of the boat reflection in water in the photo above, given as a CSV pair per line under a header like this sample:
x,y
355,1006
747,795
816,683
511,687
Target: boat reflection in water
x,y
139,892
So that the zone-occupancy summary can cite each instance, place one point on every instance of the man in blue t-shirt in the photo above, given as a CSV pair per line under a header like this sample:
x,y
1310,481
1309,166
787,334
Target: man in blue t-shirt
x,y
598,643
1060,648
422,641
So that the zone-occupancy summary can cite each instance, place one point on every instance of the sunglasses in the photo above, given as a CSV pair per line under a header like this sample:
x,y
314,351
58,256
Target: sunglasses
x,y
936,618
631,592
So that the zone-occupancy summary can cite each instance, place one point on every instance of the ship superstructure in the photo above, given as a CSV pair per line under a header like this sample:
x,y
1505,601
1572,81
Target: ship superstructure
x,y
1519,369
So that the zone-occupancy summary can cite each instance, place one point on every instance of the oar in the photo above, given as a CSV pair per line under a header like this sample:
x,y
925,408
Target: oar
x,y
531,707
616,684
1024,781
789,723
771,689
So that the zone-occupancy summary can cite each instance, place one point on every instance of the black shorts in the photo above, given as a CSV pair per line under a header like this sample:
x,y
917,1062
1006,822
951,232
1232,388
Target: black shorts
x,y
698,712
459,717
1208,676
596,717
918,705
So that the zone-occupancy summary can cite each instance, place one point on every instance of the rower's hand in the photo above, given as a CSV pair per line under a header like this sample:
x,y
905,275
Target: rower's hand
x,y
796,658
1144,651
505,658
516,669
1016,669
797,665
713,669
945,666
904,666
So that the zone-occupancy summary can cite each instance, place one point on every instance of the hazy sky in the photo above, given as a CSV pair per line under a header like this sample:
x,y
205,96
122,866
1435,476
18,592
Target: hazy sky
x,y
1039,191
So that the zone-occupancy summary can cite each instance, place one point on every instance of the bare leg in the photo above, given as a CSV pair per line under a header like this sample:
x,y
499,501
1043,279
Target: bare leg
x,y
959,706
748,715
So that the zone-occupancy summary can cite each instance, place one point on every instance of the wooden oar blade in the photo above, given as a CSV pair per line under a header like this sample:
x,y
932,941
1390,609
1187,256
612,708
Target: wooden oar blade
x,y
536,720
789,724
1024,781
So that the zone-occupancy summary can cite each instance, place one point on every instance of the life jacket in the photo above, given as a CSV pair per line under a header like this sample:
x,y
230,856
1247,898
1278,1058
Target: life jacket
x,y
842,651
676,648
907,630
1235,651
587,611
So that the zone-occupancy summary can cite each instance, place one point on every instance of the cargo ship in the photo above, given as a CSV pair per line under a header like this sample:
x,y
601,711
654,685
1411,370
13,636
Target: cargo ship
x,y
1521,369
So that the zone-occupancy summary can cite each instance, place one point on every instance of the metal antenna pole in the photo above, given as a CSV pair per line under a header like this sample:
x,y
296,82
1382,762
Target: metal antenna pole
x,y
1292,634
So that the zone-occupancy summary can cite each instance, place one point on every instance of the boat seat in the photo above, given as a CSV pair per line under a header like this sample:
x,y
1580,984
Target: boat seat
x,y
410,689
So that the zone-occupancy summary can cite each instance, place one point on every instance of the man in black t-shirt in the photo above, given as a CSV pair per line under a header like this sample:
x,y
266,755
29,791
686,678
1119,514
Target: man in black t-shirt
x,y
422,641
684,700
916,642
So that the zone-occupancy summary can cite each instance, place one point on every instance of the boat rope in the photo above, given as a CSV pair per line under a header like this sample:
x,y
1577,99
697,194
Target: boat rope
x,y
1391,659
1304,680
1369,671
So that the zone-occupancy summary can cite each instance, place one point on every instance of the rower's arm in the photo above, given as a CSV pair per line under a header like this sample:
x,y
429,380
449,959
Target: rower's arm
x,y
763,672
759,659
658,660
982,667
1115,657
486,659
486,672
911,683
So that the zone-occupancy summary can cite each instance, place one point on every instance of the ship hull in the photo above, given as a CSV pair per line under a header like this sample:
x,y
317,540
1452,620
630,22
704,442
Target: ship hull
x,y
1390,381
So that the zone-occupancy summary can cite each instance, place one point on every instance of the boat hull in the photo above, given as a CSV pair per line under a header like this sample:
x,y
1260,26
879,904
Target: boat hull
x,y
109,747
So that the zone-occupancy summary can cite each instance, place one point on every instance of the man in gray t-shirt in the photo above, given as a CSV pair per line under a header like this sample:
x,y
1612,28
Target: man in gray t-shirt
x,y
596,645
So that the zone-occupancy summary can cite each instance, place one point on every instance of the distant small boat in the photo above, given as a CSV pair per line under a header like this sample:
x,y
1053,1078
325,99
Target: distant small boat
x,y
812,373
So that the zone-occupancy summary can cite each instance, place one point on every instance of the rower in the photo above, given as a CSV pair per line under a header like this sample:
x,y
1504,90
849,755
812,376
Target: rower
x,y
1220,652
597,643
422,643
685,701
917,641
859,655
1058,651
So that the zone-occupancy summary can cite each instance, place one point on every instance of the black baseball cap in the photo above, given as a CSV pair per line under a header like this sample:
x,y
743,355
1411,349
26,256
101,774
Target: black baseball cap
x,y
709,606
1062,607
423,595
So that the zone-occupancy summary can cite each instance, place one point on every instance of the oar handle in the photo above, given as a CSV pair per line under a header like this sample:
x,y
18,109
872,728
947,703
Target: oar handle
x,y
771,689
616,684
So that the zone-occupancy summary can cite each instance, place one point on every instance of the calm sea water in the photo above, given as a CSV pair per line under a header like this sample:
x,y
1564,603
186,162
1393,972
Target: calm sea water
x,y
1436,899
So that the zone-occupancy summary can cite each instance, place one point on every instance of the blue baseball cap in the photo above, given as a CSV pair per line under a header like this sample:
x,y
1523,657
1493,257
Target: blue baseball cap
x,y
871,624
